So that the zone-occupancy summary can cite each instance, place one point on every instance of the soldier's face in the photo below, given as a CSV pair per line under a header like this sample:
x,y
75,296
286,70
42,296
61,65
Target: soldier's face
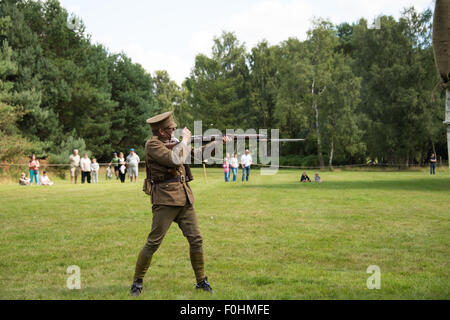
x,y
170,132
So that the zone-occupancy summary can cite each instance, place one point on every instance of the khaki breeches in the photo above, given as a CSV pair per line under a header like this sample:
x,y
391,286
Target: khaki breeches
x,y
163,216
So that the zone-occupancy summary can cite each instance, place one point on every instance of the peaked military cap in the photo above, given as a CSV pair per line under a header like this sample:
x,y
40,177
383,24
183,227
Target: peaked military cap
x,y
161,121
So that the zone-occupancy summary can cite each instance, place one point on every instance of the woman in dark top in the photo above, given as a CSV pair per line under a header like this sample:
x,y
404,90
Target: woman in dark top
x,y
122,167
304,177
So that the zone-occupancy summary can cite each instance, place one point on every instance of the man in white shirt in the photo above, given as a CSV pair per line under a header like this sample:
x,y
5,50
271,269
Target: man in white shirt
x,y
74,160
246,162
85,164
234,164
133,165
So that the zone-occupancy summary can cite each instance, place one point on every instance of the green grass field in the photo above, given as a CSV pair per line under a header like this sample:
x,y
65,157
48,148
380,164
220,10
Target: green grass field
x,y
272,238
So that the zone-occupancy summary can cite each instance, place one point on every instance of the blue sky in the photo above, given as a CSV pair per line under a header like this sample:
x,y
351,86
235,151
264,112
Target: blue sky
x,y
166,35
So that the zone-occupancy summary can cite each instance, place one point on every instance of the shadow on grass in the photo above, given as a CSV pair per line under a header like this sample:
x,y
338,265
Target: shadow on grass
x,y
107,292
98,293
388,185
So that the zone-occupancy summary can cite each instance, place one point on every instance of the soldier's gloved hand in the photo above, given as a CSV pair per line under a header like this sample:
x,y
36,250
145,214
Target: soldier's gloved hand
x,y
186,135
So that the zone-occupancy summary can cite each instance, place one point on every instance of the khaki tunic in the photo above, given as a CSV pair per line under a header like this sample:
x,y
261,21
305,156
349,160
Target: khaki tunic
x,y
159,160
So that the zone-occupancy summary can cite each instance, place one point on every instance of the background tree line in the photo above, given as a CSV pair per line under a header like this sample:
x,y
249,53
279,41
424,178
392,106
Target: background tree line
x,y
355,93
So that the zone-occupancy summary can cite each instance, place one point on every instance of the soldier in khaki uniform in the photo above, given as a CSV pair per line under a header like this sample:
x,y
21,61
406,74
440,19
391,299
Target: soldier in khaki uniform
x,y
172,198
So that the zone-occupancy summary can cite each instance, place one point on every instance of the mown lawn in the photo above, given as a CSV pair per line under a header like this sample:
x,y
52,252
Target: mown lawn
x,y
271,238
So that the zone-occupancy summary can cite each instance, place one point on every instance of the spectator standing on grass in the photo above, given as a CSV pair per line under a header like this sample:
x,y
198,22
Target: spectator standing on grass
x,y
133,165
95,167
44,180
432,163
74,161
226,170
33,166
246,162
122,167
115,162
85,164
304,177
227,160
234,165
23,180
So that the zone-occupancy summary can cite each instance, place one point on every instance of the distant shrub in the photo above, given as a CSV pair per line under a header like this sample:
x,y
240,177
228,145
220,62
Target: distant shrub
x,y
66,149
61,156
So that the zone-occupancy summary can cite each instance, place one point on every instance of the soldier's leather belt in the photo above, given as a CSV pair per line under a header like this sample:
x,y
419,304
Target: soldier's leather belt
x,y
155,180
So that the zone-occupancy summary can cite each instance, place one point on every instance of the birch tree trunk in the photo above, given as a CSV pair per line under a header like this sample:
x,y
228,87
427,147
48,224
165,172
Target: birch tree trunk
x,y
447,122
316,113
330,163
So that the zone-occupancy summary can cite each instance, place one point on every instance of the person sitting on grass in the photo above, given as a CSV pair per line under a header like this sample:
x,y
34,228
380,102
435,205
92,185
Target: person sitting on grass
x,y
304,177
23,180
317,178
44,180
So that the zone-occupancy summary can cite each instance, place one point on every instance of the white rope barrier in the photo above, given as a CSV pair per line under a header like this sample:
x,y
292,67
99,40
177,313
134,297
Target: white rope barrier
x,y
106,164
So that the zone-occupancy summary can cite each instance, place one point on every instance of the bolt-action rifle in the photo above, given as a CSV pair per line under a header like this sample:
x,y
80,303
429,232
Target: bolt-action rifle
x,y
216,138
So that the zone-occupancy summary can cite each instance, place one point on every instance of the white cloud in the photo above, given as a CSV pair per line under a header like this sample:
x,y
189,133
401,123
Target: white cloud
x,y
353,10
276,21
201,41
178,66
270,20
273,21
175,51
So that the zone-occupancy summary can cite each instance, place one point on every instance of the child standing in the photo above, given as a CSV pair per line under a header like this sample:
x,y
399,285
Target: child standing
x,y
95,167
226,170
